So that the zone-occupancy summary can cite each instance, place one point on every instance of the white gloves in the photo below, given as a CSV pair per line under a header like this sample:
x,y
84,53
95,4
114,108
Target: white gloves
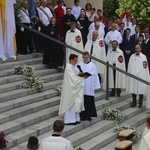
x,y
22,29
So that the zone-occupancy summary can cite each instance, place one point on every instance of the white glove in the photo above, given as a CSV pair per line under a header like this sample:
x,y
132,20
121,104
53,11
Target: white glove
x,y
22,29
39,29
30,27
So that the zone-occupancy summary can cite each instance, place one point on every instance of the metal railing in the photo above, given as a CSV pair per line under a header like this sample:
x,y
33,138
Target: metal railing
x,y
94,58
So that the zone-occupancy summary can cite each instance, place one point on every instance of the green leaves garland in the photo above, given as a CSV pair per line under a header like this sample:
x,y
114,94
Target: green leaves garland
x,y
112,114
136,135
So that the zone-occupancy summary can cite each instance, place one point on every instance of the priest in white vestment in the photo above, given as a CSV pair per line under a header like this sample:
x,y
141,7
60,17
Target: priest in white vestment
x,y
137,66
90,85
74,39
145,139
117,80
111,36
96,48
71,103
55,141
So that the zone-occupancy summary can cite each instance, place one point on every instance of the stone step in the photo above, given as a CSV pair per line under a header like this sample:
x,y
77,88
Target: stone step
x,y
22,57
28,120
25,92
109,136
10,65
18,85
40,73
11,71
47,125
132,121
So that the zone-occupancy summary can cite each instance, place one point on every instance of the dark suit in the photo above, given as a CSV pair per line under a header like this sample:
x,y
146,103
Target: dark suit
x,y
122,34
136,38
147,45
107,29
127,45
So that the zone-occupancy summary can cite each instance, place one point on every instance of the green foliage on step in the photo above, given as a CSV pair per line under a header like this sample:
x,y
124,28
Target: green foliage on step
x,y
136,135
112,114
80,148
58,89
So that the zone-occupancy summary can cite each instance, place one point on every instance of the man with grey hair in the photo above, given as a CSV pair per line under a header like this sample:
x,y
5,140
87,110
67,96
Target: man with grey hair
x,y
96,47
111,36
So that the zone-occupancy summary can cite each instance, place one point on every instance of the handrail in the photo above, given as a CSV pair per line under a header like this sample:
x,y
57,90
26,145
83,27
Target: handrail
x,y
76,50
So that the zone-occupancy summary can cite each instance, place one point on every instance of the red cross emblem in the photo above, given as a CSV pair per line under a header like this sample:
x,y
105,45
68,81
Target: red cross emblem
x,y
145,64
78,39
101,43
120,59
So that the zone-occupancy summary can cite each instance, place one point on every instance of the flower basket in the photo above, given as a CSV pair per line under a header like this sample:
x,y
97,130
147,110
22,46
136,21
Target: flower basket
x,y
24,70
136,135
112,114
33,82
58,89
3,141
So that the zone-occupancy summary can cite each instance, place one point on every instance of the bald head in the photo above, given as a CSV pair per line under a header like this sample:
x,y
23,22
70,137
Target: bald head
x,y
113,27
96,18
25,4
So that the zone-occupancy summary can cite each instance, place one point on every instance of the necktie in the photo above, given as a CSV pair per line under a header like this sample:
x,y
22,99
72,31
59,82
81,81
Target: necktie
x,y
91,49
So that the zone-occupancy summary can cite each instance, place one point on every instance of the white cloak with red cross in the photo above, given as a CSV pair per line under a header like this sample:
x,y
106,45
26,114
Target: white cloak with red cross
x,y
137,66
98,52
74,39
117,58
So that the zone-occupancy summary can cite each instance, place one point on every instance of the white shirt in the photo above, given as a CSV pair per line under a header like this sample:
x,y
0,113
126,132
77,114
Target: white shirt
x,y
76,11
92,82
92,26
44,17
114,57
128,25
55,143
91,18
132,27
111,36
24,17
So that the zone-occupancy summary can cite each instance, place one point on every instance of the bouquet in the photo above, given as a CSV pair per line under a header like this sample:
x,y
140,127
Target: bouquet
x,y
112,114
33,82
136,135
58,89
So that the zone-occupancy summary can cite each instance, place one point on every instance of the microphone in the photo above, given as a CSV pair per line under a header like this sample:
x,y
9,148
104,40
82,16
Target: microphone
x,y
79,67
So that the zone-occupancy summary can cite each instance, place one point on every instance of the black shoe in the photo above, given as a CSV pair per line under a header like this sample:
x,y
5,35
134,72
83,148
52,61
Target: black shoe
x,y
118,95
77,122
70,123
83,119
133,105
140,106
89,118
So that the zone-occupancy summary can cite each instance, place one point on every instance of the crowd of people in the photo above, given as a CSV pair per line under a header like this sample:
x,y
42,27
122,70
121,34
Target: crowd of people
x,y
120,42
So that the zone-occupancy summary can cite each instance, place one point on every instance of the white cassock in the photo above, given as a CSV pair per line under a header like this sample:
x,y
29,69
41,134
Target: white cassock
x,y
55,143
72,95
148,95
91,83
92,26
137,66
111,36
76,11
98,52
145,142
116,57
128,25
74,39
101,34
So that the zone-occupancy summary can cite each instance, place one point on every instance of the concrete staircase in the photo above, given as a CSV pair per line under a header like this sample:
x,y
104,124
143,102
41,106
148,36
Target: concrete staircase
x,y
27,112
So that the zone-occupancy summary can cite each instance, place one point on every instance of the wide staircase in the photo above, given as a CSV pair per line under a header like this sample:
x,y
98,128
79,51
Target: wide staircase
x,y
28,112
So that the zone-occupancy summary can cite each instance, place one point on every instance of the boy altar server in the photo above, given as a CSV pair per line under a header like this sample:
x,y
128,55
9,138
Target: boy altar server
x,y
90,84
